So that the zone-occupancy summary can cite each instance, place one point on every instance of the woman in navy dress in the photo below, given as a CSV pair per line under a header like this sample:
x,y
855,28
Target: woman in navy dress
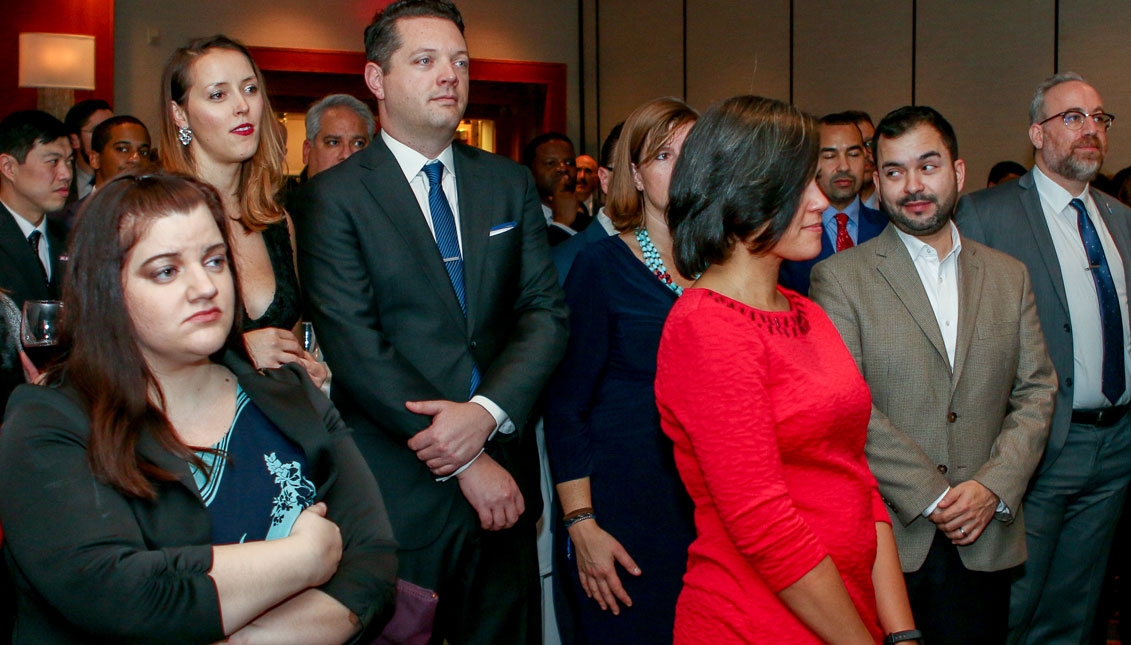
x,y
622,500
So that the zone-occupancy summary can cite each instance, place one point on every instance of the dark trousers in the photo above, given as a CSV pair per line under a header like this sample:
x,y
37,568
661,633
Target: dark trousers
x,y
954,605
488,582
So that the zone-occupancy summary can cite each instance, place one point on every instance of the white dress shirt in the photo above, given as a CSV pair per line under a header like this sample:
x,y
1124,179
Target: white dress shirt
x,y
44,246
940,281
412,165
1080,289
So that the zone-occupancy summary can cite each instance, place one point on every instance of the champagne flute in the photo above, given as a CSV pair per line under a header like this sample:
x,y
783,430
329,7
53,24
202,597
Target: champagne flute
x,y
39,331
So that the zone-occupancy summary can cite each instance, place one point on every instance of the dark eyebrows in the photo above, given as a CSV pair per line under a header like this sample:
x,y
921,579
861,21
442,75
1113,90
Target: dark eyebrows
x,y
929,154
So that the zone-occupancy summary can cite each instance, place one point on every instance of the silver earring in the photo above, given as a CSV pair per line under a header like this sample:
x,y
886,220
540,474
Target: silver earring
x,y
185,135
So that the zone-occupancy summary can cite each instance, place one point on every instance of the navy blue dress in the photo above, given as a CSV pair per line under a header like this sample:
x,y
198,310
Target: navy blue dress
x,y
602,423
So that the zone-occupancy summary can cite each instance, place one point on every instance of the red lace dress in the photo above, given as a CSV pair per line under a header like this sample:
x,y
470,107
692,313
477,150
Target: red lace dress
x,y
769,416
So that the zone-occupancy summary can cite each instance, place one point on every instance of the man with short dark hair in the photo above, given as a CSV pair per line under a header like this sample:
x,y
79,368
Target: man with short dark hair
x,y
959,414
1004,171
426,271
337,126
863,120
80,121
587,182
551,159
840,173
117,145
1076,242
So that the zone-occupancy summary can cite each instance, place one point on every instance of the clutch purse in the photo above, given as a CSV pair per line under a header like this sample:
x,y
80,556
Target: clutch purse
x,y
412,618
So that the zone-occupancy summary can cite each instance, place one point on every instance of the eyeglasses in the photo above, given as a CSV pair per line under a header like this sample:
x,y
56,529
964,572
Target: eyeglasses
x,y
1074,119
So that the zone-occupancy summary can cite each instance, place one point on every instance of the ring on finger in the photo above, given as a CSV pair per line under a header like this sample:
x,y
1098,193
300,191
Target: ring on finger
x,y
962,531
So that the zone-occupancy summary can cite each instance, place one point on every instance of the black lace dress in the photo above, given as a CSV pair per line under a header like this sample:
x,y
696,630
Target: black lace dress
x,y
285,309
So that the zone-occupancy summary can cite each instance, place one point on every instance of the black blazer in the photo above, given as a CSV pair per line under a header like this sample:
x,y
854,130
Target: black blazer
x,y
20,274
92,565
391,327
1009,217
795,275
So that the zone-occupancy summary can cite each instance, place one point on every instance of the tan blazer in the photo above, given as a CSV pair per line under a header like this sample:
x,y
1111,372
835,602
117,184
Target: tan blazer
x,y
931,427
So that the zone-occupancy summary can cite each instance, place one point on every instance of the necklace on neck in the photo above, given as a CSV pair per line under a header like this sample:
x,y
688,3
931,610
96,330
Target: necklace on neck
x,y
655,263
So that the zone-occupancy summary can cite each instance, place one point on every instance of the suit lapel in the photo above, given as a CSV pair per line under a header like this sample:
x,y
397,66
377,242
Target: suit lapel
x,y
15,245
394,199
895,265
1035,213
474,222
1118,231
970,277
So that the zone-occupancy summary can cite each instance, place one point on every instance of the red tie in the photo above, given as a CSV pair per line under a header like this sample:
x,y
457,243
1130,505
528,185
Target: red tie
x,y
843,241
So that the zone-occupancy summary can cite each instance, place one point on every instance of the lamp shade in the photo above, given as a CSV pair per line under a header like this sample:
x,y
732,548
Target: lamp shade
x,y
57,60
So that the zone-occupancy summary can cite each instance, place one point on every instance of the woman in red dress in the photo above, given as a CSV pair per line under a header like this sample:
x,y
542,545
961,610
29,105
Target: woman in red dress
x,y
765,405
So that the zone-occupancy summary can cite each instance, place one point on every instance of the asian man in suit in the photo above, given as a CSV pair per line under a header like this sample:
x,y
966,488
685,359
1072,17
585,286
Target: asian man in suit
x,y
1076,242
946,333
840,175
428,278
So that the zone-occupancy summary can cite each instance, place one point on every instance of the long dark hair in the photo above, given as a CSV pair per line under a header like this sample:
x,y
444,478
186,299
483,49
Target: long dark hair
x,y
104,363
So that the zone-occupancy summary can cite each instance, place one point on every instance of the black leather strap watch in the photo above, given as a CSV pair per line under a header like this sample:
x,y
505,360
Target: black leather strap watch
x,y
908,635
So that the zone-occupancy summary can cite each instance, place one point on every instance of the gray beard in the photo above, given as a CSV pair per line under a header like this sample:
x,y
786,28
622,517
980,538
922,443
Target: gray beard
x,y
1077,169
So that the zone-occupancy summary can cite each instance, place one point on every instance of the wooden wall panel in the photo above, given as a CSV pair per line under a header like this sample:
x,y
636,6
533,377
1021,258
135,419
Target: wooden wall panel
x,y
853,55
737,48
977,64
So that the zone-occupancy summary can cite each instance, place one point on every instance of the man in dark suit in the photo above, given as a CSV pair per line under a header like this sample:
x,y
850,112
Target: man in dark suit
x,y
552,161
840,174
35,175
428,278
565,253
1076,243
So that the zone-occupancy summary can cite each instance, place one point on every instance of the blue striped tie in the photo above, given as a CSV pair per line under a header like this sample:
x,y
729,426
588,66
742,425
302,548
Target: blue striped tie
x,y
444,225
1111,317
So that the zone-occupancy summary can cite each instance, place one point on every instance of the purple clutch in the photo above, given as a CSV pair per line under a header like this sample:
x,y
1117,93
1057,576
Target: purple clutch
x,y
412,619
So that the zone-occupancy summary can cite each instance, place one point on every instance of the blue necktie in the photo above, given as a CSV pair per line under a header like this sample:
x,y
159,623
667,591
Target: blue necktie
x,y
1111,318
444,224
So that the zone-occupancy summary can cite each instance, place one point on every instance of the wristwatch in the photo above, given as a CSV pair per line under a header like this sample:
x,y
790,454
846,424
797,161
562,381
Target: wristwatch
x,y
899,637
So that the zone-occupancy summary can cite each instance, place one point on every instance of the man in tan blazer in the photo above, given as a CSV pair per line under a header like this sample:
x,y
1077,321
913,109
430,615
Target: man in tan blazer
x,y
946,333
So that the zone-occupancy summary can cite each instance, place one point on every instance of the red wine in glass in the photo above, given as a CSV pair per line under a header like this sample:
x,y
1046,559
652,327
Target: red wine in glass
x,y
39,331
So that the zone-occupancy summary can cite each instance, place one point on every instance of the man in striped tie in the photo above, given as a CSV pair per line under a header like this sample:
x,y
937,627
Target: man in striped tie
x,y
1076,242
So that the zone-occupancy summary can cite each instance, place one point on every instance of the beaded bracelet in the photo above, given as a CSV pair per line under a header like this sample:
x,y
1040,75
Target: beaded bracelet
x,y
578,517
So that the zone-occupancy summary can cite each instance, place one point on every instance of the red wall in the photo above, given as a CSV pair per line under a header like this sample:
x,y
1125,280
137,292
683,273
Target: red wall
x,y
87,17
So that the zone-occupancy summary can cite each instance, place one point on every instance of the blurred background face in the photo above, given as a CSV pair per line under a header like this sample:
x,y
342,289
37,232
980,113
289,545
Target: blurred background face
x,y
553,161
127,149
840,169
343,133
586,176
82,149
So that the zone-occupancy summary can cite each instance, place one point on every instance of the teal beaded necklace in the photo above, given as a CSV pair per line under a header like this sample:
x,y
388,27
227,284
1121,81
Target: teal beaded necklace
x,y
654,262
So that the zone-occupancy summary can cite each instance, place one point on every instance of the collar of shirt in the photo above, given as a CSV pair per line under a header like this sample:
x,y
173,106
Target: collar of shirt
x,y
828,219
26,226
920,250
1056,198
606,222
548,213
412,162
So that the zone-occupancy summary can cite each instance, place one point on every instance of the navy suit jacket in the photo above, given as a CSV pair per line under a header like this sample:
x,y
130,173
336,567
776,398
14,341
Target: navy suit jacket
x,y
20,274
565,253
795,275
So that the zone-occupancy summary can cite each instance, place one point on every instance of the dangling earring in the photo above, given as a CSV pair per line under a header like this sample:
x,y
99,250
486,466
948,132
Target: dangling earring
x,y
185,136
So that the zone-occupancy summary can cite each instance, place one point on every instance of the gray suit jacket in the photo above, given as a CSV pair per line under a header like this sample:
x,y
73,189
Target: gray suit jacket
x,y
931,426
1009,218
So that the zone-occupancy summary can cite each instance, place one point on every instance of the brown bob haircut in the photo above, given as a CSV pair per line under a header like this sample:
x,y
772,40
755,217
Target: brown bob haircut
x,y
104,363
739,178
646,131
262,175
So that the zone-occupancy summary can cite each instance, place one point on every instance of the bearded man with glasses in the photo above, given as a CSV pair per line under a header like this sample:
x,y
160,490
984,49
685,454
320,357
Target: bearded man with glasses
x,y
1076,242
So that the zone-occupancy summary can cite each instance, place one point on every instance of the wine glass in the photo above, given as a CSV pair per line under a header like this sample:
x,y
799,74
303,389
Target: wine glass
x,y
39,331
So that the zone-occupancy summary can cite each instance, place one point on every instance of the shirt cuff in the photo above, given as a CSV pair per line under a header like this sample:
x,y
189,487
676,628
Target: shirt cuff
x,y
461,468
503,422
934,504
